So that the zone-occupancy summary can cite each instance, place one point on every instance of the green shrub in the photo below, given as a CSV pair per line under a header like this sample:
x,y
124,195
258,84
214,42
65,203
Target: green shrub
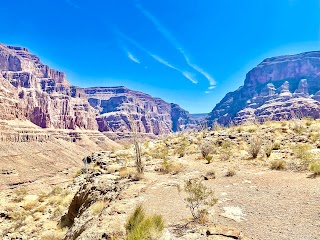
x,y
198,199
315,168
303,152
170,167
142,227
278,165
209,158
181,149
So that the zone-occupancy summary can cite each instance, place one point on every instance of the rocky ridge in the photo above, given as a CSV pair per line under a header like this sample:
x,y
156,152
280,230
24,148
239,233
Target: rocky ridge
x,y
40,94
119,108
278,88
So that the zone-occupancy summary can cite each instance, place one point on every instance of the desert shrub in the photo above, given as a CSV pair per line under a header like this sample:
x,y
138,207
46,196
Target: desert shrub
x,y
278,165
161,152
276,145
255,144
181,149
205,149
20,193
210,175
225,154
97,207
314,167
126,172
314,136
303,152
231,172
29,205
56,190
252,129
297,126
142,227
170,167
198,199
209,158
268,149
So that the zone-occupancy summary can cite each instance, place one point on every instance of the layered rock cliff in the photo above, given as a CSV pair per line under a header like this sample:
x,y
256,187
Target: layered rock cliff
x,y
278,88
31,90
121,109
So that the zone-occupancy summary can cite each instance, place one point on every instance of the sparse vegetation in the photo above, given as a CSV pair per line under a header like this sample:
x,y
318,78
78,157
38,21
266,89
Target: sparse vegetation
x,y
278,165
314,167
255,144
170,167
198,199
142,227
231,172
209,158
303,152
205,149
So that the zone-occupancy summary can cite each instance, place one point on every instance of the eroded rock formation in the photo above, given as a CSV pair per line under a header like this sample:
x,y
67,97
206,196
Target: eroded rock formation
x,y
40,94
120,109
278,88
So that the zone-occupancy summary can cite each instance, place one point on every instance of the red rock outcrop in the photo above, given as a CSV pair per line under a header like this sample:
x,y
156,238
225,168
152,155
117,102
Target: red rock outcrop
x,y
278,88
41,94
120,107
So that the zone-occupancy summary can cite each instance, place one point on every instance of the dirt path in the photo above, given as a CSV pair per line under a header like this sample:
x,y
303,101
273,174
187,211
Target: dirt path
x,y
275,205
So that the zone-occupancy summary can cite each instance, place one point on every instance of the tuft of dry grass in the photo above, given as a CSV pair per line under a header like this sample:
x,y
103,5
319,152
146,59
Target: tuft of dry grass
x,y
97,207
278,165
255,144
231,172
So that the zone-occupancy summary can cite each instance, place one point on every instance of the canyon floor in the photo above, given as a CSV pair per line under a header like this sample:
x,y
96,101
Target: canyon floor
x,y
274,195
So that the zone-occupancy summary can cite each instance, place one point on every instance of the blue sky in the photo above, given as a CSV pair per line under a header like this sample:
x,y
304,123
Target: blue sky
x,y
190,52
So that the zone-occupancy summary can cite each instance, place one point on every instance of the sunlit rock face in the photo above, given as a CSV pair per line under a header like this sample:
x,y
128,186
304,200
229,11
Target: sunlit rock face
x,y
122,110
40,94
278,88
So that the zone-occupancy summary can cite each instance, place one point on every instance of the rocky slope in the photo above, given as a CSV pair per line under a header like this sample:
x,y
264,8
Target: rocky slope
x,y
120,107
39,93
278,88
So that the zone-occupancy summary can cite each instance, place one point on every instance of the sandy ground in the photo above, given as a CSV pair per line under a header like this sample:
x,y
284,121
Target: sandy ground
x,y
273,204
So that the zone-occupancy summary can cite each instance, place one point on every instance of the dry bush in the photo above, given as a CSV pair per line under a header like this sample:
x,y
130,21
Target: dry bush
x,y
268,149
255,144
276,145
198,199
206,149
314,167
30,204
210,175
182,148
126,172
278,165
160,152
20,193
297,125
170,167
303,152
231,172
142,227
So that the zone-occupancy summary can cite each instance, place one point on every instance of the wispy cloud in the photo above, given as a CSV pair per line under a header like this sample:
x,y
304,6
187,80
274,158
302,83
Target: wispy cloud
x,y
207,92
175,43
186,74
72,4
133,58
